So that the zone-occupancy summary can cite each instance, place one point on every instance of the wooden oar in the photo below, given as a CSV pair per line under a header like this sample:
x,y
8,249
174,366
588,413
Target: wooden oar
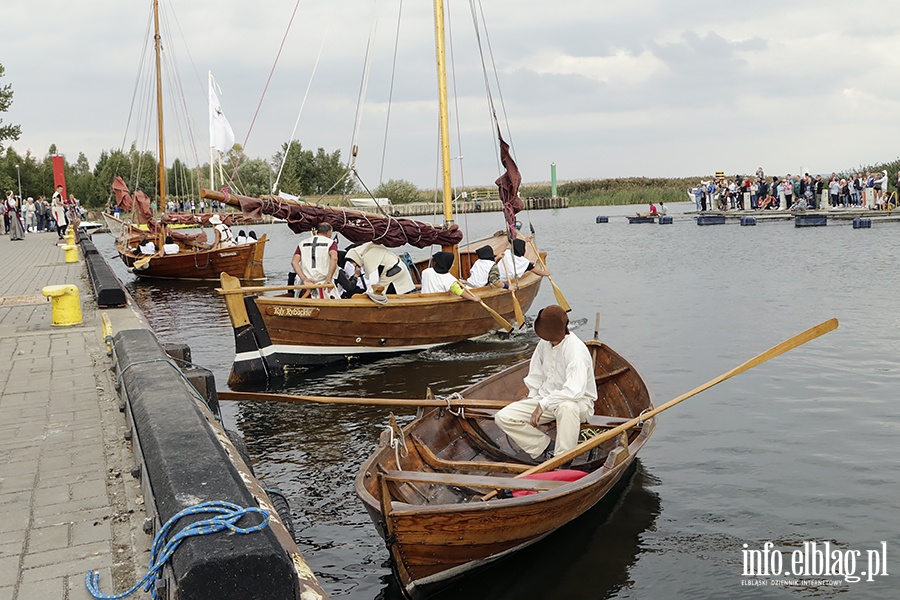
x,y
497,316
142,262
411,402
789,344
560,299
275,288
520,316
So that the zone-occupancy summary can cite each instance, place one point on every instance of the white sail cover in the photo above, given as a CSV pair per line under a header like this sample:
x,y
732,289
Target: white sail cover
x,y
221,136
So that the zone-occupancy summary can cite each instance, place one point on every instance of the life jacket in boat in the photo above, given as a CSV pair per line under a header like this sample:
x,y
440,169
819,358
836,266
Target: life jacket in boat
x,y
315,259
560,475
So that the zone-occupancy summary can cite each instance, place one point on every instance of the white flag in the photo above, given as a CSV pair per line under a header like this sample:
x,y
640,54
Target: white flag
x,y
221,136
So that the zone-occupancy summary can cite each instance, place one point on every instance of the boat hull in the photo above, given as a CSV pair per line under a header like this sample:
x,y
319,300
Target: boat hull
x,y
243,261
274,332
433,541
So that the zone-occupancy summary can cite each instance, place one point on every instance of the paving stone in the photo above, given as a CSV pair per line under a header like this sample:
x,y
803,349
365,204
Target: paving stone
x,y
49,496
76,568
65,555
6,593
95,530
72,507
48,538
9,570
12,549
46,588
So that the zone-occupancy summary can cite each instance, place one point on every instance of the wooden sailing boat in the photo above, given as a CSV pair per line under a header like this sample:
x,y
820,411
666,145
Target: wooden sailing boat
x,y
195,259
275,331
425,496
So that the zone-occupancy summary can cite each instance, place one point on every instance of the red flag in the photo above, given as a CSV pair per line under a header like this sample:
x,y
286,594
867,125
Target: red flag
x,y
59,173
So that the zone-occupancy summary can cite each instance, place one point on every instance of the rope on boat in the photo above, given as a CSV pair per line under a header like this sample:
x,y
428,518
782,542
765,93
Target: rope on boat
x,y
227,517
461,413
397,443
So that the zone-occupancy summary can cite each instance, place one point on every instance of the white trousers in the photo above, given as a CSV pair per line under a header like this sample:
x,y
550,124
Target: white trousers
x,y
515,421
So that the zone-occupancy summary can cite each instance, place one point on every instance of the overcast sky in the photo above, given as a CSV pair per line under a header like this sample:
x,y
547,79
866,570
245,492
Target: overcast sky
x,y
603,89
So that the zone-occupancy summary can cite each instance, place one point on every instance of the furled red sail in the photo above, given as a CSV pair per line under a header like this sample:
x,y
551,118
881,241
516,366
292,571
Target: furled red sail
x,y
354,225
126,201
201,220
508,185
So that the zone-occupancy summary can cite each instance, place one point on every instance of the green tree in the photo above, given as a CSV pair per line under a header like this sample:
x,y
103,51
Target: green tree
x,y
305,173
399,191
7,132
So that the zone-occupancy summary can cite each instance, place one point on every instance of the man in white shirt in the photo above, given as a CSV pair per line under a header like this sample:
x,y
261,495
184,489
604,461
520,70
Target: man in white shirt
x,y
316,260
561,388
514,264
437,278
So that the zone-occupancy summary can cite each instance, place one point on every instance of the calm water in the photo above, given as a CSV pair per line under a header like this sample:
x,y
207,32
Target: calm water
x,y
803,448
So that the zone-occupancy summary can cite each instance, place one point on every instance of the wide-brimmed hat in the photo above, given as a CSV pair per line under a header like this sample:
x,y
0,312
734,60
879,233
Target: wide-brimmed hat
x,y
485,253
215,220
442,262
552,323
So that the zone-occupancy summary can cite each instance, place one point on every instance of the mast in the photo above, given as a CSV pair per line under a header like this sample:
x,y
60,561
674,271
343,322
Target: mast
x,y
444,114
159,108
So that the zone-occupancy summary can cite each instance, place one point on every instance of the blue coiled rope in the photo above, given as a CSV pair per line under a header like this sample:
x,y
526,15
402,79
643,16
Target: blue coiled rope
x,y
161,551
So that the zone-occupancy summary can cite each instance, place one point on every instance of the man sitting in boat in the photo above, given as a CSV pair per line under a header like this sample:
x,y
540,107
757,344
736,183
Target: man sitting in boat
x,y
170,247
561,387
146,247
316,261
650,213
513,264
351,279
437,278
484,271
224,237
382,268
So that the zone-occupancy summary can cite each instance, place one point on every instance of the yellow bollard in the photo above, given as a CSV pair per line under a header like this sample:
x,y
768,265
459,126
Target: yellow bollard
x,y
71,252
65,304
70,236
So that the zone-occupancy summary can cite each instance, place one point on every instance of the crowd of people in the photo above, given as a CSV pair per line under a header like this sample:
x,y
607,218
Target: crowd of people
x,y
35,216
796,192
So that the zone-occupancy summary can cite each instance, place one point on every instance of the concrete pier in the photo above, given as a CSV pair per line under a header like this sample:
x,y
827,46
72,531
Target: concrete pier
x,y
67,501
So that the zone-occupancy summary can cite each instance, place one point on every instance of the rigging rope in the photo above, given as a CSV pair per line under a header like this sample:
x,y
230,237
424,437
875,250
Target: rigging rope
x,y
287,30
305,96
387,120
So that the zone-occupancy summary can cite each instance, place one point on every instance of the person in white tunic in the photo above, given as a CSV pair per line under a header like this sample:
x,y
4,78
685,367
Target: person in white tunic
x,y
513,264
561,387
484,271
382,268
437,278
316,261
224,236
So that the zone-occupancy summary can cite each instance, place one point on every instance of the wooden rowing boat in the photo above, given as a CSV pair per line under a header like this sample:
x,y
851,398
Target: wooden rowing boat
x,y
426,495
193,262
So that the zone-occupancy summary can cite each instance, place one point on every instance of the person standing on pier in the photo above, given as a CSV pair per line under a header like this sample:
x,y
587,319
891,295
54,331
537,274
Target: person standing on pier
x,y
11,211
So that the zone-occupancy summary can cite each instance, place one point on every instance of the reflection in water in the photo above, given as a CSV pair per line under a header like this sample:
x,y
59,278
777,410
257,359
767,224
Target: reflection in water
x,y
588,558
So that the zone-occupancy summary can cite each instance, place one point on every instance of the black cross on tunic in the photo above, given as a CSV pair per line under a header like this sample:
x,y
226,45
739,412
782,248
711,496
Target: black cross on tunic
x,y
315,245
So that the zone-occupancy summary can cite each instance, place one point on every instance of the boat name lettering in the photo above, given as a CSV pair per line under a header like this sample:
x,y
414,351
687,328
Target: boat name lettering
x,y
225,254
292,311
